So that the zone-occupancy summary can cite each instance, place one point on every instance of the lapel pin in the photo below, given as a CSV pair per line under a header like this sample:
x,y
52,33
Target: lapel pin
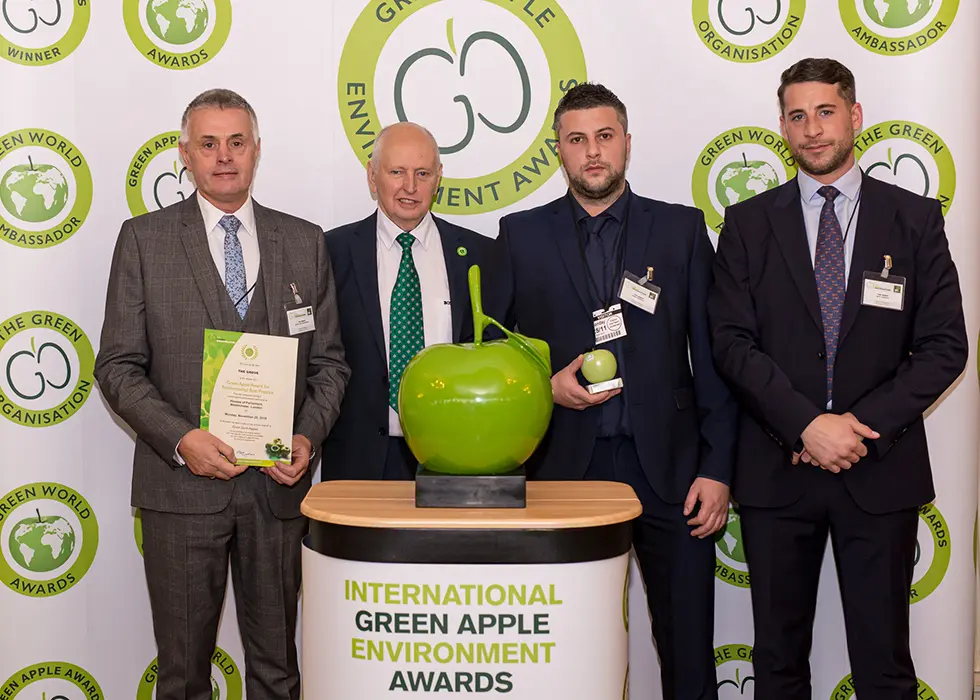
x,y
461,252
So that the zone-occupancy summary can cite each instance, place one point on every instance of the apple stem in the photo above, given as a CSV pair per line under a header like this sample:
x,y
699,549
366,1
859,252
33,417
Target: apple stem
x,y
745,159
38,511
480,319
31,162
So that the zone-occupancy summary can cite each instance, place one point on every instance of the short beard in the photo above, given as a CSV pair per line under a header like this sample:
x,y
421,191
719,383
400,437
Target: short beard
x,y
842,151
597,192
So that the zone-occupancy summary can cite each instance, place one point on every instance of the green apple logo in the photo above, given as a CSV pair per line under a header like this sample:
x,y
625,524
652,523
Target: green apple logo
x,y
177,177
44,382
897,14
42,544
37,18
177,22
753,17
891,171
463,99
34,193
480,407
739,181
738,683
729,538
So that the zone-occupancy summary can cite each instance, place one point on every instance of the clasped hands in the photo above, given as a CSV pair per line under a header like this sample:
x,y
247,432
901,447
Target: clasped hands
x,y
206,455
834,442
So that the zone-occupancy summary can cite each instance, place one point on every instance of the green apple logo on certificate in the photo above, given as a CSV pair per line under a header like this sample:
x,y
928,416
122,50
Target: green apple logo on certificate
x,y
247,392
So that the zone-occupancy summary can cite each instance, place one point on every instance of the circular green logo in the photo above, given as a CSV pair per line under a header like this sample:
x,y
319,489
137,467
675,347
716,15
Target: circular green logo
x,y
45,188
845,690
178,34
48,538
730,564
56,679
42,33
156,177
897,27
738,164
226,679
909,155
931,561
397,77
744,31
733,667
46,366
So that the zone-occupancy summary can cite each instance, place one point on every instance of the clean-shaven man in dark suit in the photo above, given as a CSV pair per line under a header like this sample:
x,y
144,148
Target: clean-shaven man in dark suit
x,y
217,260
833,367
402,274
670,432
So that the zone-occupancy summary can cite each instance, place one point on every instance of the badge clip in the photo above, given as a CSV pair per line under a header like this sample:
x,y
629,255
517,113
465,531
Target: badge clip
x,y
887,267
296,297
649,273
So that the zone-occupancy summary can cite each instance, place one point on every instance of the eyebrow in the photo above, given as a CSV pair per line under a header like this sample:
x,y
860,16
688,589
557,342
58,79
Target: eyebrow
x,y
598,131
826,105
215,138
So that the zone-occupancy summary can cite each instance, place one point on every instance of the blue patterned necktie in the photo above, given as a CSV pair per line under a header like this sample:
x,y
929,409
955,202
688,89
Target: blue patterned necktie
x,y
405,327
234,264
828,267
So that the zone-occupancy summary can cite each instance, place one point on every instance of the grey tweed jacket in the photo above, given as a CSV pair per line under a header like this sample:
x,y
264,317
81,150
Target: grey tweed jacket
x,y
164,290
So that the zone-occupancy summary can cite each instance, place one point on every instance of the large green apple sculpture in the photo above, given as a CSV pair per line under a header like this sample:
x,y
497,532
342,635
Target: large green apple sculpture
x,y
477,408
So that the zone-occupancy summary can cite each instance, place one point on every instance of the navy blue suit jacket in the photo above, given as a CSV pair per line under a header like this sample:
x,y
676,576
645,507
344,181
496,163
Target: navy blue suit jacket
x,y
357,445
682,415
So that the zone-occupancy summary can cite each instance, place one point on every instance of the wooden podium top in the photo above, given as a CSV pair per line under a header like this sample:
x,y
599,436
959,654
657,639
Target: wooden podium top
x,y
550,505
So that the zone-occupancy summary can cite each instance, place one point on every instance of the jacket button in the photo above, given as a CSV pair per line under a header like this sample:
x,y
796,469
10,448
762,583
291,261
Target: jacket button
x,y
382,431
821,356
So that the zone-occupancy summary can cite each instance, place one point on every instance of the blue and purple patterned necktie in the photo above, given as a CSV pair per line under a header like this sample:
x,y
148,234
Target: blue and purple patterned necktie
x,y
828,268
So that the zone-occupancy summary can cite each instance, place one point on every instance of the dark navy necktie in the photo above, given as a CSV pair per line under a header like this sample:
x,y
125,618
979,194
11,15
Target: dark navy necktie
x,y
828,268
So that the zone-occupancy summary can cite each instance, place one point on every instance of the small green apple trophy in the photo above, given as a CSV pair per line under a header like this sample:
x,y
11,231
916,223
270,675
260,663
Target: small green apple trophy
x,y
599,369
473,413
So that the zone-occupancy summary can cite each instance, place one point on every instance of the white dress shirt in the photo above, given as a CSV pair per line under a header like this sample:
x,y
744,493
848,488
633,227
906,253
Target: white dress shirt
x,y
247,236
249,240
845,206
430,263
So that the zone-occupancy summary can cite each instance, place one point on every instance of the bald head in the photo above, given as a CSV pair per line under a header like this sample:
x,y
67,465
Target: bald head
x,y
404,173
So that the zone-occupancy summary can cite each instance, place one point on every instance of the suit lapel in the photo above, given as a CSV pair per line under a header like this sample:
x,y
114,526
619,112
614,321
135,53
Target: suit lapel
x,y
566,238
195,241
874,223
270,264
364,258
457,271
790,233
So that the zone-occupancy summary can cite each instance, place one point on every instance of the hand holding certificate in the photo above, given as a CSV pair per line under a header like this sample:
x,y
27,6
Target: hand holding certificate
x,y
247,394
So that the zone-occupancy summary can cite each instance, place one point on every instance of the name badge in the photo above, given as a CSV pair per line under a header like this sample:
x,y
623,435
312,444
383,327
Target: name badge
x,y
640,292
883,292
609,324
300,319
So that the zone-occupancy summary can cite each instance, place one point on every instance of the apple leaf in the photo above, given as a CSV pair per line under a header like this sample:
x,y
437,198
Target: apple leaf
x,y
33,351
449,35
890,158
175,167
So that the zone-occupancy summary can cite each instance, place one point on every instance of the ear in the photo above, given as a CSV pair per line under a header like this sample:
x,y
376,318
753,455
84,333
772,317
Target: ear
x,y
629,144
782,127
372,185
857,117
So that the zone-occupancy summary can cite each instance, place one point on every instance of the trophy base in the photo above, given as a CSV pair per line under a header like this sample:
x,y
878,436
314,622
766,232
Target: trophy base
x,y
437,490
616,383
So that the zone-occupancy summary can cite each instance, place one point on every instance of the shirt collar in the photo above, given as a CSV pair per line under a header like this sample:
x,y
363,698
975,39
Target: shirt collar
x,y
848,184
388,230
212,215
616,210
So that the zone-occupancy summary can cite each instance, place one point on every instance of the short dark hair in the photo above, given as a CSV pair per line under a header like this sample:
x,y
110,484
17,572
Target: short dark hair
x,y
589,96
818,70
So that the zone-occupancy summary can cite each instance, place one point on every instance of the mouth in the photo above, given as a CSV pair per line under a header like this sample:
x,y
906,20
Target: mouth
x,y
226,174
817,148
408,203
593,169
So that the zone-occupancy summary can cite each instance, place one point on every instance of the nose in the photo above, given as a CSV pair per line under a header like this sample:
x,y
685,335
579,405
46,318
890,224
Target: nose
x,y
812,128
410,183
224,153
592,151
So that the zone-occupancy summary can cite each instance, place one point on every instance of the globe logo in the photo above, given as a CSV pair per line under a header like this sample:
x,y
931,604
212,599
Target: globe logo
x,y
897,14
215,691
42,544
177,21
34,193
729,539
739,181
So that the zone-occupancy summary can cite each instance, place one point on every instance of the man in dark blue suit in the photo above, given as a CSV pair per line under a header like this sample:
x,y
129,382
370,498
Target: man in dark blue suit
x,y
670,431
401,273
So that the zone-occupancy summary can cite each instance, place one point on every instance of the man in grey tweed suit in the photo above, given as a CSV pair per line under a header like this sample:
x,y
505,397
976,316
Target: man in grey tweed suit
x,y
217,260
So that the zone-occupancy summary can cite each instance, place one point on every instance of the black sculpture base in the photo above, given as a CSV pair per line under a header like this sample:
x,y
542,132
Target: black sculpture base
x,y
436,490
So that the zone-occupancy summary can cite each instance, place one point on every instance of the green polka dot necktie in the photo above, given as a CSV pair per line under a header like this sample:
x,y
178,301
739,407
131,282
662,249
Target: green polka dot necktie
x,y
405,329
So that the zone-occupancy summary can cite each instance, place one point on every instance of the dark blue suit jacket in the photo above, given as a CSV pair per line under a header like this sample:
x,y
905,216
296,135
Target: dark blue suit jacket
x,y
357,445
683,416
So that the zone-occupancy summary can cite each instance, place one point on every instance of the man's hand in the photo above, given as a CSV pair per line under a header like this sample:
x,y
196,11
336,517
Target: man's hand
x,y
835,442
208,456
570,394
714,506
302,448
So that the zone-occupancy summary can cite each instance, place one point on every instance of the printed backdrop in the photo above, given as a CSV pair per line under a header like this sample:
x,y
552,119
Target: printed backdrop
x,y
93,93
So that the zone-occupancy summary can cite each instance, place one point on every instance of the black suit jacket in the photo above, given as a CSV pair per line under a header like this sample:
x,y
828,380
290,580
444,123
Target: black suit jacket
x,y
890,365
358,444
683,422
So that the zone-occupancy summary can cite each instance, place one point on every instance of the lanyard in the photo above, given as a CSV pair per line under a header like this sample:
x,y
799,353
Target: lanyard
x,y
580,235
857,203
